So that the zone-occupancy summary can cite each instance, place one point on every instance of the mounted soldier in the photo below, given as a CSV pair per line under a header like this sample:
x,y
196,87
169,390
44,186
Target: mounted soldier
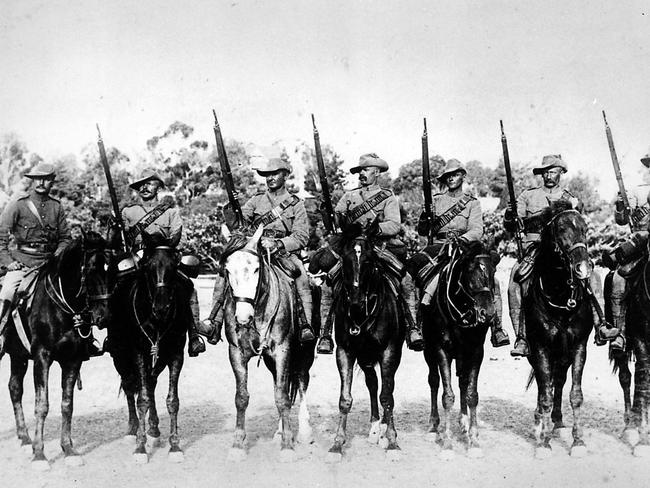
x,y
624,260
159,216
39,226
531,204
286,233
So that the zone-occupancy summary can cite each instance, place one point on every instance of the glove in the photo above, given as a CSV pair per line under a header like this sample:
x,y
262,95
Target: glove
x,y
272,245
424,224
15,266
619,205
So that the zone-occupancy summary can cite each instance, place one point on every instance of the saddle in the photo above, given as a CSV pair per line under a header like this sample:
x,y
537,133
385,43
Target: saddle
x,y
526,265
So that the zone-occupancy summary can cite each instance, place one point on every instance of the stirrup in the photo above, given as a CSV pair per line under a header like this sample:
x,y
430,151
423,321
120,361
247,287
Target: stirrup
x,y
355,330
521,348
499,338
325,345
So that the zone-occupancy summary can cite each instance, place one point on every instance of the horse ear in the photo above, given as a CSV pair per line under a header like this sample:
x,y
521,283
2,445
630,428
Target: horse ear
x,y
495,257
176,238
252,243
225,232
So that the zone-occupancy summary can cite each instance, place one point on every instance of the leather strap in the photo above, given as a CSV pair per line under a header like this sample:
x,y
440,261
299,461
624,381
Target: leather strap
x,y
276,212
368,205
451,212
146,220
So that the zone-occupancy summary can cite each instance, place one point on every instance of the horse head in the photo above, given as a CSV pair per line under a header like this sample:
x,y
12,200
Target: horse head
x,y
359,276
477,281
241,262
160,265
565,231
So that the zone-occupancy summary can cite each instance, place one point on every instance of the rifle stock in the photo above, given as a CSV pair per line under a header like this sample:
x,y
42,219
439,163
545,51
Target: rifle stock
x,y
327,209
511,191
617,172
111,187
426,180
226,173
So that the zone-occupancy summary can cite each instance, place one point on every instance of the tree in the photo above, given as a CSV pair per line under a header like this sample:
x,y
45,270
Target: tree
x,y
15,160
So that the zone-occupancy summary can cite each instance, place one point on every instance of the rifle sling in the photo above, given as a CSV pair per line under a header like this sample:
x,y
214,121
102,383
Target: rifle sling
x,y
451,212
146,220
276,212
362,209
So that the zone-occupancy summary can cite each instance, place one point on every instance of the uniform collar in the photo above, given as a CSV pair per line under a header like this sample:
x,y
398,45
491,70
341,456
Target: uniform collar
x,y
555,189
38,198
151,203
370,187
280,192
455,193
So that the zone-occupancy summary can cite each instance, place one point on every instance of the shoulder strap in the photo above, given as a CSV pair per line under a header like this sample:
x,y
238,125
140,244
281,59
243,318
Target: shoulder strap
x,y
276,212
32,208
147,219
368,205
451,212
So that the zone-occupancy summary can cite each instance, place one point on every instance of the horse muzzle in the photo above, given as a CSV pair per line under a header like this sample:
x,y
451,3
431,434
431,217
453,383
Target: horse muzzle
x,y
583,269
244,311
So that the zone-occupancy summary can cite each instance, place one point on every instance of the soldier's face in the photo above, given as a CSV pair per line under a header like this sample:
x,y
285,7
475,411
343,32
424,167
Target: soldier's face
x,y
42,186
551,177
276,180
455,180
149,190
368,176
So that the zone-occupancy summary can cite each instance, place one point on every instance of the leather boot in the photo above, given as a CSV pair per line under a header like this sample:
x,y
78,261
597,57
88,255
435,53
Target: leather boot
x,y
196,345
216,314
618,306
304,314
414,337
499,337
325,343
518,321
5,308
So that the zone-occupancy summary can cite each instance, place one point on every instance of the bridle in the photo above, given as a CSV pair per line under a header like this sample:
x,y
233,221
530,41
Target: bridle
x,y
240,299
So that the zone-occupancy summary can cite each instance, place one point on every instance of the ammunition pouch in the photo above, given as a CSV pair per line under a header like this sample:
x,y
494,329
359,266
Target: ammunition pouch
x,y
128,265
526,264
190,265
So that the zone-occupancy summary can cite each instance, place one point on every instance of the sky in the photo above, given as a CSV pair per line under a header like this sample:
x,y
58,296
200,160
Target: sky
x,y
368,70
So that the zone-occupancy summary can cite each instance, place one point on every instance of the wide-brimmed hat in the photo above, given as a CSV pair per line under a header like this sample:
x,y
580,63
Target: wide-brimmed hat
x,y
147,175
551,161
452,166
645,160
42,170
273,165
370,160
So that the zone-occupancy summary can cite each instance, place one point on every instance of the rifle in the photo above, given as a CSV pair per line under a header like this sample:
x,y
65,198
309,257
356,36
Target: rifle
x,y
617,172
226,174
511,192
326,207
426,180
111,187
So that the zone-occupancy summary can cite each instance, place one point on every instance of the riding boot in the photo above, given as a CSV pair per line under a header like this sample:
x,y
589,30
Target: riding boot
x,y
196,345
518,320
215,318
499,337
618,306
5,308
325,343
414,338
304,311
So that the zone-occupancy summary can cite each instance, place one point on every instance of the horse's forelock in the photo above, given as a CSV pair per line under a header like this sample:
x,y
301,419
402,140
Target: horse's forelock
x,y
554,209
237,242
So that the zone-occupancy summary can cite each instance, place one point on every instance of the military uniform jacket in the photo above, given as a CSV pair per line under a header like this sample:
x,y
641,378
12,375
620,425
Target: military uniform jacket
x,y
293,221
639,207
533,201
387,210
468,223
168,224
36,239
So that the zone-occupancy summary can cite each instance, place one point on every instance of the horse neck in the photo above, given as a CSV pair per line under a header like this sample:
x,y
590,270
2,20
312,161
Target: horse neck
x,y
67,276
552,271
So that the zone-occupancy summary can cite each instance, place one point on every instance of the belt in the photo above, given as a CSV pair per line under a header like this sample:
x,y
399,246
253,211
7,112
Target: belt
x,y
276,234
35,248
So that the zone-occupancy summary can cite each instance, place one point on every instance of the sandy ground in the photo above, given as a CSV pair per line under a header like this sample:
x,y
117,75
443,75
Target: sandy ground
x,y
207,422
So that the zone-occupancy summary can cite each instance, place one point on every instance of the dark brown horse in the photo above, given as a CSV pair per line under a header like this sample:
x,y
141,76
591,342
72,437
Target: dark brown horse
x,y
369,328
454,327
71,293
261,320
147,335
559,314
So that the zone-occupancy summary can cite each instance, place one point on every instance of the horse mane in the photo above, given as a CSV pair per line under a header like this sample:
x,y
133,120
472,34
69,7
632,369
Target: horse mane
x,y
88,240
237,242
554,209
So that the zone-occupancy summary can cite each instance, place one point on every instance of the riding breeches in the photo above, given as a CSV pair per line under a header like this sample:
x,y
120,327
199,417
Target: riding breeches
x,y
302,286
11,283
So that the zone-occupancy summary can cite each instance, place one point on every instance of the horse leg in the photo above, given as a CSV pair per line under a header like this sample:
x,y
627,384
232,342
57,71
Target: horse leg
x,y
42,362
175,366
305,435
472,367
133,414
69,375
559,379
642,449
463,386
283,401
372,383
154,421
239,366
389,364
541,364
18,371
444,367
345,363
143,402
434,383
578,448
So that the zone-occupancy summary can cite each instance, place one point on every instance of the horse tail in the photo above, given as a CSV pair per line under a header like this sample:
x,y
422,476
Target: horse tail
x,y
531,378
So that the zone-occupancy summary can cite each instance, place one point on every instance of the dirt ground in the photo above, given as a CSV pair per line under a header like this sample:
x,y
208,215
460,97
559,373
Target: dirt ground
x,y
207,422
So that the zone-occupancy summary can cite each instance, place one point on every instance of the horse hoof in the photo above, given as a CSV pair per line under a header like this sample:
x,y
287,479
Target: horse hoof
x,y
641,451
305,437
542,452
152,442
432,437
375,432
578,452
176,457
130,438
564,433
140,458
74,461
334,457
277,438
26,449
383,442
236,455
631,436
447,455
287,456
475,453
463,423
41,465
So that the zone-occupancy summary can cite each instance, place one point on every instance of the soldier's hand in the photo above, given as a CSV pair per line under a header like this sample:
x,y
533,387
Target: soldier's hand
x,y
15,266
424,224
620,205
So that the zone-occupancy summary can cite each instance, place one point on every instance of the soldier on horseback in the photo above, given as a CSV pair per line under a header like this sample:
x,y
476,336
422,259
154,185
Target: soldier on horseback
x,y
457,218
157,216
530,205
626,256
362,206
286,233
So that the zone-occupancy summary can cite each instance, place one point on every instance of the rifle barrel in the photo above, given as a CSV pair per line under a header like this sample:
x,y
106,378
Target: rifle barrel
x,y
511,190
617,169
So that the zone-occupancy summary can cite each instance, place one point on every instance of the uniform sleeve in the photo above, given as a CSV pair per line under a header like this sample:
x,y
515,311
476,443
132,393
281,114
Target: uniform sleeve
x,y
63,228
341,205
392,222
248,209
475,222
522,205
299,232
7,222
176,227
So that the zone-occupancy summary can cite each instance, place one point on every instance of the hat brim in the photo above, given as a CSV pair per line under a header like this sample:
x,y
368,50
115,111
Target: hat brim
x,y
40,175
444,175
268,172
539,171
357,169
645,160
137,184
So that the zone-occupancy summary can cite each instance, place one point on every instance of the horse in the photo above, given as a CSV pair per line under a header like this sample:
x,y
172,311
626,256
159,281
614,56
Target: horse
x,y
454,327
261,318
558,311
72,292
370,328
148,335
